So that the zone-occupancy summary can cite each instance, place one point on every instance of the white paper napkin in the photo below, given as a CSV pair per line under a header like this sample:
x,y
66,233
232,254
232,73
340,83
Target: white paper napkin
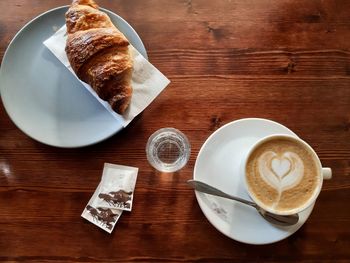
x,y
147,81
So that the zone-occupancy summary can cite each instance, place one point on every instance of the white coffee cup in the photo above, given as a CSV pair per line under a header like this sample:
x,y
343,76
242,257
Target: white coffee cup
x,y
323,173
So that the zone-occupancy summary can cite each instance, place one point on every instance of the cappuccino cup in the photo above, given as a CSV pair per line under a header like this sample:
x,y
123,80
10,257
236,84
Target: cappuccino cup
x,y
283,174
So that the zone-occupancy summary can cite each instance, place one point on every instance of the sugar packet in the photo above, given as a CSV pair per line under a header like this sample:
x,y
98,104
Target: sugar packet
x,y
104,218
117,187
113,195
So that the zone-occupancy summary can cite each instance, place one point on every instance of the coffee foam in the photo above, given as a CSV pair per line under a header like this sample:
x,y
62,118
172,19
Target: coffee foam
x,y
282,174
281,171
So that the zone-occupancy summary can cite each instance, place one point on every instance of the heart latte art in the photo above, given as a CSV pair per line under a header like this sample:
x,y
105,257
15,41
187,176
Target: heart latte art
x,y
282,174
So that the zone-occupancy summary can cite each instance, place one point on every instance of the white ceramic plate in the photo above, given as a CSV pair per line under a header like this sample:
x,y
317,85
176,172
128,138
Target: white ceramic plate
x,y
43,98
219,164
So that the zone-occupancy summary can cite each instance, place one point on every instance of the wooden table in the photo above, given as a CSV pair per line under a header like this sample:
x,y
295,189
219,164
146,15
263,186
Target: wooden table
x,y
288,61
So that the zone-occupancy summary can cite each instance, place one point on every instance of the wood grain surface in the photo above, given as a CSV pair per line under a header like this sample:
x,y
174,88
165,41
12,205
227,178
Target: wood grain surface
x,y
288,61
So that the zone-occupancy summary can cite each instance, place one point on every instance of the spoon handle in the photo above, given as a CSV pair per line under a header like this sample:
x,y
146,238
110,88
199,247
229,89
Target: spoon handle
x,y
205,188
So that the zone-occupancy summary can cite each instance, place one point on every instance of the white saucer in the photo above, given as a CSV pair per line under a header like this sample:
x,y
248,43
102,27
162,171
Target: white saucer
x,y
43,98
219,164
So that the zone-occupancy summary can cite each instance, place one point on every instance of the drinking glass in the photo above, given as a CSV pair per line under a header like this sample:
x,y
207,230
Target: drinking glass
x,y
168,150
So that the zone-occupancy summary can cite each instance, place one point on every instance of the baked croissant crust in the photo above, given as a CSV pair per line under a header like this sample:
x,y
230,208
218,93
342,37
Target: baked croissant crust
x,y
99,53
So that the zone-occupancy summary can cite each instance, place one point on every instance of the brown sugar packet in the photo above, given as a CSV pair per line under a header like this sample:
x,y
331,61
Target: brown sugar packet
x,y
105,218
117,187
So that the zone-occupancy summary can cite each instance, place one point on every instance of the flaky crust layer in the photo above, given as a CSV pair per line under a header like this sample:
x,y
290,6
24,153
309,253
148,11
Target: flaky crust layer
x,y
98,53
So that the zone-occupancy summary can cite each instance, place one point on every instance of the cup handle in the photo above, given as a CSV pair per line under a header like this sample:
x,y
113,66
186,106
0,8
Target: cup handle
x,y
327,173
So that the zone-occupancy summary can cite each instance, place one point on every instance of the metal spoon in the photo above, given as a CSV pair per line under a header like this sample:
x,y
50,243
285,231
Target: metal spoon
x,y
281,220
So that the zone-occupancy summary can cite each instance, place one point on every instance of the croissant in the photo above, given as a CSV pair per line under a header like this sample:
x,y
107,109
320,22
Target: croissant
x,y
99,54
